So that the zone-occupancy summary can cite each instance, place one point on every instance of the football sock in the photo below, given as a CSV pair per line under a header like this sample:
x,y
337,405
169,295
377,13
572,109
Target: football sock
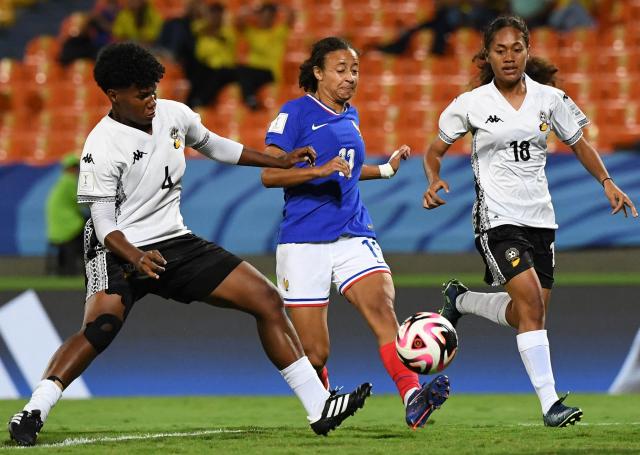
x,y
44,397
492,306
406,380
628,379
324,378
534,350
305,383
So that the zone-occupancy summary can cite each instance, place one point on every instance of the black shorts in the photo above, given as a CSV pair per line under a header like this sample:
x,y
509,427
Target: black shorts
x,y
195,267
510,250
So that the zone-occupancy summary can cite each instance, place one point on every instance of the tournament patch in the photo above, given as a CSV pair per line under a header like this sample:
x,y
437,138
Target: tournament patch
x,y
85,180
513,256
277,126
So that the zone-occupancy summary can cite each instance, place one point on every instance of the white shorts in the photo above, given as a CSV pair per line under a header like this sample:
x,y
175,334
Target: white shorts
x,y
305,271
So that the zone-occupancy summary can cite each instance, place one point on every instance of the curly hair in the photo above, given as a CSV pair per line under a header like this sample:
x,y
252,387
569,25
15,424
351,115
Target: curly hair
x,y
122,65
537,68
307,80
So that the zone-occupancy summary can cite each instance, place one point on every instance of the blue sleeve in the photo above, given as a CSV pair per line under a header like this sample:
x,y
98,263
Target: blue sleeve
x,y
284,130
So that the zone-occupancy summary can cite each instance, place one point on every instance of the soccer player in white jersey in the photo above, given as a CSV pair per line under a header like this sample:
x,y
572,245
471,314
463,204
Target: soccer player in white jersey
x,y
136,242
326,235
510,116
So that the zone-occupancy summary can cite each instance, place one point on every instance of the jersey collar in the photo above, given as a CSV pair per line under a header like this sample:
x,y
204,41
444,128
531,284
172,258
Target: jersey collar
x,y
327,108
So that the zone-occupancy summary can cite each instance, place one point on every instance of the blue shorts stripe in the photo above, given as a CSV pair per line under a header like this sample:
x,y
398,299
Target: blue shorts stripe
x,y
362,272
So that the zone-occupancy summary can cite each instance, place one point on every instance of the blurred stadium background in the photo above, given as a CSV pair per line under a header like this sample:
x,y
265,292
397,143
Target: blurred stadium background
x,y
46,111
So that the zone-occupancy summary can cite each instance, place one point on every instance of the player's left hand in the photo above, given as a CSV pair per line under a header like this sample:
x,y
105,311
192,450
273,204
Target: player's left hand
x,y
403,152
301,155
618,199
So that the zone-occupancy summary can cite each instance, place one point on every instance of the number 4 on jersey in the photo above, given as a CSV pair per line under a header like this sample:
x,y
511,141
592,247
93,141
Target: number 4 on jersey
x,y
168,183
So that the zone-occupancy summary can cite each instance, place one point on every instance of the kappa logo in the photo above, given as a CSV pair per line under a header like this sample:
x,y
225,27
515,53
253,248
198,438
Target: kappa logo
x,y
87,158
317,127
493,119
137,155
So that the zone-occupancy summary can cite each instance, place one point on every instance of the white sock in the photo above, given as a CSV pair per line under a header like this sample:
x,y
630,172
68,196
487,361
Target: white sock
x,y
407,395
492,306
44,397
306,384
628,379
534,350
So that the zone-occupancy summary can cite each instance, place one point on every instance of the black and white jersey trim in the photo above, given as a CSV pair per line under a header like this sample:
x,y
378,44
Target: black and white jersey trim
x,y
583,122
95,262
573,139
480,215
202,143
91,199
442,135
492,264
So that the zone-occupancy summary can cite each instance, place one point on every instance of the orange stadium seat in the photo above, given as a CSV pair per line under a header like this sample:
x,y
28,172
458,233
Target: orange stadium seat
x,y
42,48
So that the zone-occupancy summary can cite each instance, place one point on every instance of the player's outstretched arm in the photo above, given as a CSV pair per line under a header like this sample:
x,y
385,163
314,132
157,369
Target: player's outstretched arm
x,y
250,157
591,161
432,162
283,178
389,169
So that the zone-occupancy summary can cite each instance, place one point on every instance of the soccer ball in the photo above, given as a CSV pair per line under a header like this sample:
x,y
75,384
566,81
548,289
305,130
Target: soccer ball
x,y
426,343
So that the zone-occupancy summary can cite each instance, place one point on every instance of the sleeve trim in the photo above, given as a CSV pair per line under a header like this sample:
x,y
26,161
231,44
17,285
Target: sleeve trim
x,y
448,139
573,139
91,199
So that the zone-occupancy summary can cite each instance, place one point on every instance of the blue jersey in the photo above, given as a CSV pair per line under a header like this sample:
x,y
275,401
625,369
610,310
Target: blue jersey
x,y
323,209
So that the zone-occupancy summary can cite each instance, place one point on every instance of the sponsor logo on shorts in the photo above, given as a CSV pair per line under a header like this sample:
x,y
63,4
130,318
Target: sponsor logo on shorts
x,y
513,256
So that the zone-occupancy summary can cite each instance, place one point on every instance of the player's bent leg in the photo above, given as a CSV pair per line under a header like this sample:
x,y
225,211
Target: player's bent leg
x,y
533,345
311,325
528,301
104,314
374,297
247,290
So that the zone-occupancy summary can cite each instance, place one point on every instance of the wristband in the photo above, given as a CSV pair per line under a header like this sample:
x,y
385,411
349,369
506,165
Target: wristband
x,y
604,180
386,171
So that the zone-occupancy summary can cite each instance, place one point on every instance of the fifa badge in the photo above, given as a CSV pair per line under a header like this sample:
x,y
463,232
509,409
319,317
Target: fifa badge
x,y
544,124
176,138
513,256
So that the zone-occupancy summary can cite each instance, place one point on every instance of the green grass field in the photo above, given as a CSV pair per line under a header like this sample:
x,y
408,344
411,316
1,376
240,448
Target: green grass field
x,y
55,283
507,424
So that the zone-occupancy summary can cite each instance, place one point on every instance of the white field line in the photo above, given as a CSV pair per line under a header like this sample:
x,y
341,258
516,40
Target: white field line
x,y
69,442
582,424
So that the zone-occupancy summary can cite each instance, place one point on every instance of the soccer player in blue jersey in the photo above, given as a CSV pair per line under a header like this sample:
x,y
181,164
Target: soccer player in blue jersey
x,y
326,234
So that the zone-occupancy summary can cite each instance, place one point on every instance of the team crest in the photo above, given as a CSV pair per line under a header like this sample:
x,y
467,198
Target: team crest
x,y
285,283
513,256
544,124
176,138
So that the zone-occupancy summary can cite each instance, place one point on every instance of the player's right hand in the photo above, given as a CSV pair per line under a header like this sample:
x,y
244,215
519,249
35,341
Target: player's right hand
x,y
431,200
301,155
151,263
337,164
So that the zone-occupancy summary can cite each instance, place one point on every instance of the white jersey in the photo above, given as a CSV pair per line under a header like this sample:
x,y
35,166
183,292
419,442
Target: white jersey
x,y
141,172
509,150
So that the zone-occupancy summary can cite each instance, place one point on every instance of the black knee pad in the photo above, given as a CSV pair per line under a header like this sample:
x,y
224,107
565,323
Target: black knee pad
x,y
101,332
